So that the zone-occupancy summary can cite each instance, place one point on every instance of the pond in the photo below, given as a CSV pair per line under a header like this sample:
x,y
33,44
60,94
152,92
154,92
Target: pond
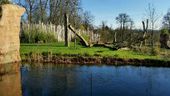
x,y
86,80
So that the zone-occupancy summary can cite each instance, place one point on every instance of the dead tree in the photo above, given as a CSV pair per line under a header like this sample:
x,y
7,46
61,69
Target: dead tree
x,y
66,26
145,31
66,30
85,43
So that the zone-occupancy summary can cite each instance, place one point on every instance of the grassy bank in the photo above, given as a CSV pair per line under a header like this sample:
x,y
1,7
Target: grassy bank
x,y
59,50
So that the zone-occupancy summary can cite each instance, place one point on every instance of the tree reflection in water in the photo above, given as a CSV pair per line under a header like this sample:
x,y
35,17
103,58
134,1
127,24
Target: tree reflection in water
x,y
83,80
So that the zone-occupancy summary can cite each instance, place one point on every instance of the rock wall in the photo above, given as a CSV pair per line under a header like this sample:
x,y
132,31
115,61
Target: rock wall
x,y
9,33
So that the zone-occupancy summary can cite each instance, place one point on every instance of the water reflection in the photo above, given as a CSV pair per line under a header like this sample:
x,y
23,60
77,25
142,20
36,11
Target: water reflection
x,y
10,80
78,80
81,80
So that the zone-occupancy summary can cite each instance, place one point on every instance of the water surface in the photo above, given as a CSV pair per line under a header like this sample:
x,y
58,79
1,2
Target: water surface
x,y
83,80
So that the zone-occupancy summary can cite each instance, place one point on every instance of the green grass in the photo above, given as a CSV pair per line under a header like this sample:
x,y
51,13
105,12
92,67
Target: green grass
x,y
59,48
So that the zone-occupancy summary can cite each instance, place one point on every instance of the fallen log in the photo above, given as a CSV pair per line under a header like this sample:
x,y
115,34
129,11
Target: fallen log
x,y
85,43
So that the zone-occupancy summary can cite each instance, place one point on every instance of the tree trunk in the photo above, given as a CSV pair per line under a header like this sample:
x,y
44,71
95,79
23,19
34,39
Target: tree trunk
x,y
41,11
66,30
145,29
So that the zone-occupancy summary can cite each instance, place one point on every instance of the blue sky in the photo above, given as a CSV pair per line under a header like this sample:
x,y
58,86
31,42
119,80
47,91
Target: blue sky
x,y
107,10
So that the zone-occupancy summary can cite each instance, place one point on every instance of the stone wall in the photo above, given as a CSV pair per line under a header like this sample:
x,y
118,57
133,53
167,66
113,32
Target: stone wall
x,y
9,33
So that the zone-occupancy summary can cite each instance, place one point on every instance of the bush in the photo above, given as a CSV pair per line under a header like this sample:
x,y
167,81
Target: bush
x,y
145,50
155,51
148,50
165,31
35,35
86,37
4,2
164,37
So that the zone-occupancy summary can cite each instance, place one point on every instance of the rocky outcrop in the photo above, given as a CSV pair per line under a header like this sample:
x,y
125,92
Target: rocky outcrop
x,y
9,33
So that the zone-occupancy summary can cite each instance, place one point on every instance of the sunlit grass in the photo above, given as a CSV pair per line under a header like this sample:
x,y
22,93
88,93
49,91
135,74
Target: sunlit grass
x,y
59,48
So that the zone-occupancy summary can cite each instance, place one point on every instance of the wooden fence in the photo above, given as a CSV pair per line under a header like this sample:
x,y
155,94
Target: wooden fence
x,y
58,31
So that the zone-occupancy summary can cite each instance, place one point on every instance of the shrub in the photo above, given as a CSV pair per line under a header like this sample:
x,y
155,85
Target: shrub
x,y
155,51
164,37
148,50
165,31
145,50
166,55
86,37
4,2
86,54
35,35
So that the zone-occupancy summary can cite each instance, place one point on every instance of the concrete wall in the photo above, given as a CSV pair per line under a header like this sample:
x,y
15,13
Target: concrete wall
x,y
9,33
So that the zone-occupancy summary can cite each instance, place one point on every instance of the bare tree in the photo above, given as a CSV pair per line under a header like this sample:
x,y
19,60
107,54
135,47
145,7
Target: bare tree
x,y
145,31
153,18
54,10
87,20
130,32
43,7
57,9
166,20
123,19
30,6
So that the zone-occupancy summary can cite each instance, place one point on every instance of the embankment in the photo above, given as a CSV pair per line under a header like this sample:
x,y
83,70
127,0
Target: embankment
x,y
97,60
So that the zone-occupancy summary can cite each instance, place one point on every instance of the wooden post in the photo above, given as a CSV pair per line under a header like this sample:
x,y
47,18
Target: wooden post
x,y
66,30
115,36
145,30
75,42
